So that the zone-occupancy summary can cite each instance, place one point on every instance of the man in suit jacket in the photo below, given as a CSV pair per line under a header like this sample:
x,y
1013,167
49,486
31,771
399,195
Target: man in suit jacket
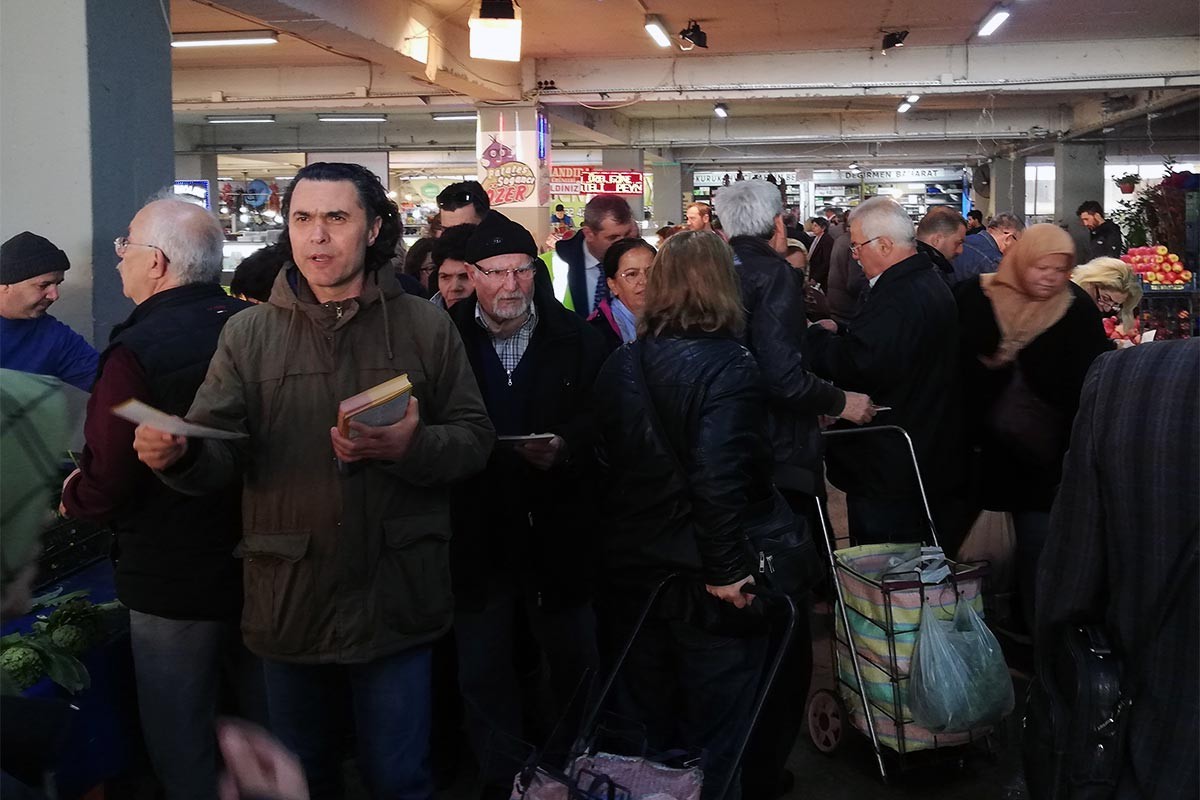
x,y
901,348
1122,528
819,252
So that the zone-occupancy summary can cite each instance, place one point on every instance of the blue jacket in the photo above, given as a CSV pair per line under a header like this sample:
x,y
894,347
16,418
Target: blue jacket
x,y
45,346
980,254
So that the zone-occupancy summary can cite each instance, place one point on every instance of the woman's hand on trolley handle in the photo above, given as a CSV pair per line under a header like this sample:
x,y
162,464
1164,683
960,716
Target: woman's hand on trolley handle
x,y
859,408
732,593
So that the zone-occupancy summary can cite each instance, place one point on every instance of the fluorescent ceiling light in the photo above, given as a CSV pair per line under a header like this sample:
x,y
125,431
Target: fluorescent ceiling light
x,y
994,20
352,117
657,31
456,116
224,38
240,119
912,98
854,165
904,107
721,110
496,31
284,177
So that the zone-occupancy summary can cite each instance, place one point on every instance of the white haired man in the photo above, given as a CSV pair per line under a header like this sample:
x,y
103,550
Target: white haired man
x,y
901,348
176,569
773,294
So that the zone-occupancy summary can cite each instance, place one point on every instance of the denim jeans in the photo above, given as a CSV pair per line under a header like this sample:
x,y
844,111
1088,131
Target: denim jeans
x,y
180,667
388,700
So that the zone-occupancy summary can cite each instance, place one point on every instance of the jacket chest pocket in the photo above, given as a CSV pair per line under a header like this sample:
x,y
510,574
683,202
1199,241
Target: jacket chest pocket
x,y
413,578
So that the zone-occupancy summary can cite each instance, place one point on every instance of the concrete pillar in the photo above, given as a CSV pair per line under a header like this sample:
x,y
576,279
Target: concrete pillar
x,y
1008,187
512,148
668,194
633,160
1078,176
87,137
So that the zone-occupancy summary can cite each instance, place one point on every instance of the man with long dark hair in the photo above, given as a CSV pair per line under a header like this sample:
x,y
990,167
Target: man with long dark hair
x,y
346,564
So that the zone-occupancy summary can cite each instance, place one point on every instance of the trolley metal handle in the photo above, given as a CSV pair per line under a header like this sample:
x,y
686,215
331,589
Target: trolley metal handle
x,y
916,466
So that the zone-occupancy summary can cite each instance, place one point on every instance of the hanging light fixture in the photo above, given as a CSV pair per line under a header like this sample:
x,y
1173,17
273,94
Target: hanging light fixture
x,y
892,39
496,31
657,30
721,110
692,36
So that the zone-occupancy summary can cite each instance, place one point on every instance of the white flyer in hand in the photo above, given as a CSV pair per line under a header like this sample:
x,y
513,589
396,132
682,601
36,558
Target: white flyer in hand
x,y
138,412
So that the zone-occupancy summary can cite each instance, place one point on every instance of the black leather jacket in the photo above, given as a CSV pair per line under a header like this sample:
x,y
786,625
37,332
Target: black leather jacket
x,y
709,395
775,325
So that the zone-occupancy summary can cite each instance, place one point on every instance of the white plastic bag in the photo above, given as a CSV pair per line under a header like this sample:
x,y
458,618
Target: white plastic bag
x,y
959,678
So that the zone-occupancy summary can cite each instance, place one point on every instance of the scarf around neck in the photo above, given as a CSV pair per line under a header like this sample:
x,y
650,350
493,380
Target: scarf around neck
x,y
1020,315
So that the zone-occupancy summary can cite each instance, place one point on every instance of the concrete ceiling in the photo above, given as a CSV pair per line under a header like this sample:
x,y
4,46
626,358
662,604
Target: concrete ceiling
x,y
797,83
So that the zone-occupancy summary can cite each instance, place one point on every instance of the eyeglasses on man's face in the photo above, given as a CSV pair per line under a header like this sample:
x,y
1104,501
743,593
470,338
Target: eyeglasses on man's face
x,y
855,247
122,244
520,273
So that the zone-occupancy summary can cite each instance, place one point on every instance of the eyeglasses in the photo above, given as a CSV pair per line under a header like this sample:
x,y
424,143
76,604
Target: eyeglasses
x,y
122,244
456,200
854,248
1106,301
633,275
520,273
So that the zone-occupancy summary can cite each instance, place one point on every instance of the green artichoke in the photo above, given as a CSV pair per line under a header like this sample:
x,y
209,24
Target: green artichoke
x,y
22,664
70,638
80,614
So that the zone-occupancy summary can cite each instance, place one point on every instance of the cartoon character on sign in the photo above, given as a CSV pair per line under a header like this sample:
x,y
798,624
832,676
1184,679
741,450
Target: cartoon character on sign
x,y
508,180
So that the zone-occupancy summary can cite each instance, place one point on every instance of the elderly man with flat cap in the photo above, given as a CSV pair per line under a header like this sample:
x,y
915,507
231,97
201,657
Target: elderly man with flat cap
x,y
31,269
524,527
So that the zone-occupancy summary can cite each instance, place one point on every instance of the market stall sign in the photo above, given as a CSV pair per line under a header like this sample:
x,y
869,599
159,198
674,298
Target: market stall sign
x,y
718,178
901,175
590,180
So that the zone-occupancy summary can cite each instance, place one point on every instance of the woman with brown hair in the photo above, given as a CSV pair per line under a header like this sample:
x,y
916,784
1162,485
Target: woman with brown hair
x,y
1027,338
682,424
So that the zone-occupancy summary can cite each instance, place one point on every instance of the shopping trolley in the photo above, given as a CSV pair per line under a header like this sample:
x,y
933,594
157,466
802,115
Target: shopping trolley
x,y
592,774
876,619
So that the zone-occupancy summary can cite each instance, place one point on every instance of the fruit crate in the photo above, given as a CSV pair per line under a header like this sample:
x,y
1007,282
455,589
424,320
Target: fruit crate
x,y
1165,288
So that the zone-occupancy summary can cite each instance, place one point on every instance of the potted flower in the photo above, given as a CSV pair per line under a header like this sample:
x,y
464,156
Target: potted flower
x,y
1127,182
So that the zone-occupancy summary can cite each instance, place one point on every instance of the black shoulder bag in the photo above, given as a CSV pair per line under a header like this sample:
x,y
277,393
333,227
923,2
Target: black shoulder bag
x,y
784,555
1076,729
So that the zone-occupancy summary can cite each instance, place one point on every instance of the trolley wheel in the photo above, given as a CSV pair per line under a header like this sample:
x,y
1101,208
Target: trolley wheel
x,y
827,720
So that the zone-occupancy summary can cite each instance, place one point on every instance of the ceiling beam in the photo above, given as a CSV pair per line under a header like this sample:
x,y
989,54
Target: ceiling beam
x,y
960,69
1001,124
579,124
393,34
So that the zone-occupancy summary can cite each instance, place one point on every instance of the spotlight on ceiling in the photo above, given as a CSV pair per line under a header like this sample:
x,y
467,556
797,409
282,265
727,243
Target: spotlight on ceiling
x,y
893,39
692,36
496,31
994,20
657,31
721,110
853,165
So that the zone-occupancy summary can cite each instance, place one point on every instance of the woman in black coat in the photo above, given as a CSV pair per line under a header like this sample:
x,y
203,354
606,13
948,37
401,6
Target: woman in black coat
x,y
692,674
1028,337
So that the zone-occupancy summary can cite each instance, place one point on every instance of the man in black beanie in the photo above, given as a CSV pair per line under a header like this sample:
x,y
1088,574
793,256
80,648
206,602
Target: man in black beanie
x,y
523,528
31,269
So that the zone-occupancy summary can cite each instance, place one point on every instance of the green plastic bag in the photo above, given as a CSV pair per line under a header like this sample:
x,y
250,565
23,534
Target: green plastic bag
x,y
959,679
